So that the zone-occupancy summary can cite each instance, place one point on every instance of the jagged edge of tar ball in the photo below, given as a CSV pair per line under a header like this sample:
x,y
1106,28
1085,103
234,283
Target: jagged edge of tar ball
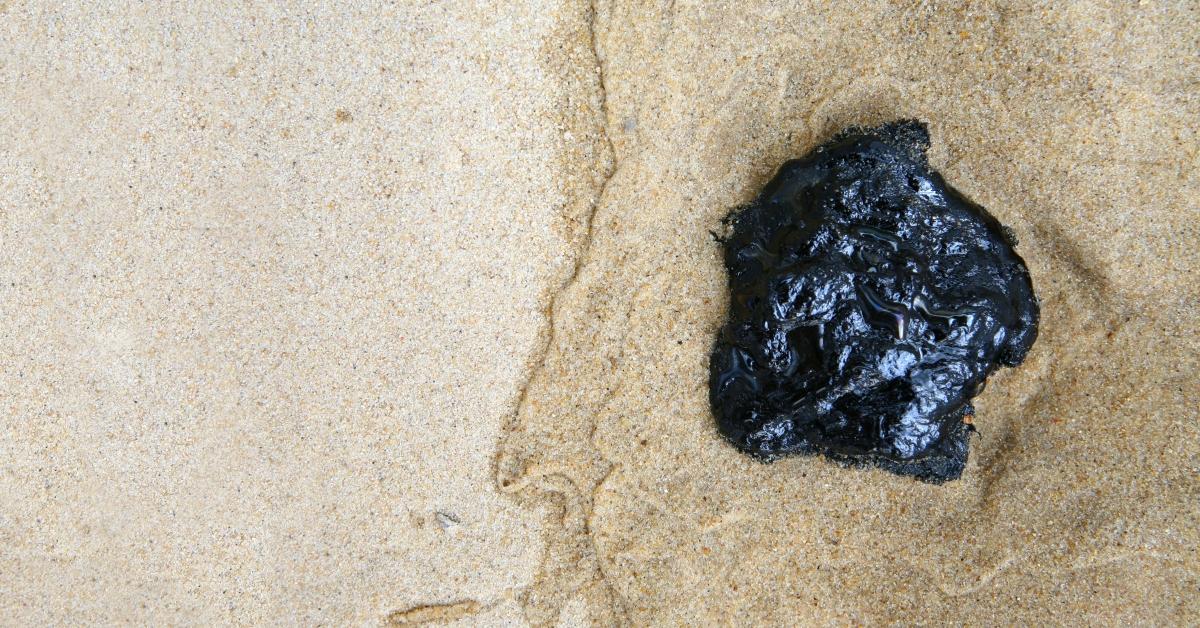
x,y
910,137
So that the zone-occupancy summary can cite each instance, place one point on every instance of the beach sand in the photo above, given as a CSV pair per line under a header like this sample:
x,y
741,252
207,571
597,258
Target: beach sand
x,y
402,314
271,283
1076,127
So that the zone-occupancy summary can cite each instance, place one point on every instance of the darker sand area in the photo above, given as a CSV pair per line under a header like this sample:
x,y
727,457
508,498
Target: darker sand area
x,y
1074,126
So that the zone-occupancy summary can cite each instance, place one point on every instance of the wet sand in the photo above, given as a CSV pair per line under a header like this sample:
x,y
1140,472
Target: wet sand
x,y
403,314
1079,505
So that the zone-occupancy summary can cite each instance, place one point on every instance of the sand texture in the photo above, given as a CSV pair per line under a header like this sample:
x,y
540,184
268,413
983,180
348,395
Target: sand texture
x,y
401,314
271,283
1076,127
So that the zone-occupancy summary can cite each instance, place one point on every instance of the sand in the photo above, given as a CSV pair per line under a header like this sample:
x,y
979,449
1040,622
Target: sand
x,y
402,314
272,281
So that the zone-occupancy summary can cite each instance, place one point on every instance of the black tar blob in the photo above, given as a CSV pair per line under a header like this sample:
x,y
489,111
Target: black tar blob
x,y
870,302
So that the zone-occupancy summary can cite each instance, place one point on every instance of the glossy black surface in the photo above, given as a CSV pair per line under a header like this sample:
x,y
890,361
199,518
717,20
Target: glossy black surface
x,y
870,301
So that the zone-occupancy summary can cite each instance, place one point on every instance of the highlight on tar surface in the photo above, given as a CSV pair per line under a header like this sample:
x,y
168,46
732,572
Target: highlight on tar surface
x,y
870,302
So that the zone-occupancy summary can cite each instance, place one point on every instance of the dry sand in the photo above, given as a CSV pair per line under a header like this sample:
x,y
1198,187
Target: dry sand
x,y
402,314
272,279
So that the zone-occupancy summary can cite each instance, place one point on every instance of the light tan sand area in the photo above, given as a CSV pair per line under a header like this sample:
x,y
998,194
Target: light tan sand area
x,y
272,281
400,313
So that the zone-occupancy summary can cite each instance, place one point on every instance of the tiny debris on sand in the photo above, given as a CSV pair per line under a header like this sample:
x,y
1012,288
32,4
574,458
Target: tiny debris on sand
x,y
428,613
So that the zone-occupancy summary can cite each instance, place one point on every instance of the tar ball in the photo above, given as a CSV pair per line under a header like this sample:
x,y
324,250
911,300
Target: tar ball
x,y
869,302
